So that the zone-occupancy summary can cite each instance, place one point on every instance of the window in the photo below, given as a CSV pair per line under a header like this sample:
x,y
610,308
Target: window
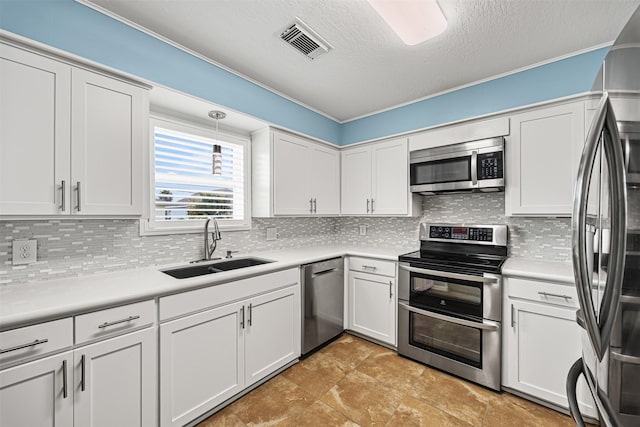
x,y
196,173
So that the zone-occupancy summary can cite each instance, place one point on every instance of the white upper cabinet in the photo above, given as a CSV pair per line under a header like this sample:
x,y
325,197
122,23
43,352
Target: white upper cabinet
x,y
542,157
34,159
375,179
108,122
292,175
356,181
71,139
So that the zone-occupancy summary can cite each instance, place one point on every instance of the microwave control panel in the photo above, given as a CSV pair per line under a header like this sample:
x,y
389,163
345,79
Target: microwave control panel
x,y
490,165
477,234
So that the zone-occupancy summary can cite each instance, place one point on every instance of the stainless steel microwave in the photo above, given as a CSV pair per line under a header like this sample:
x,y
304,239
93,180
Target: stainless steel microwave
x,y
468,166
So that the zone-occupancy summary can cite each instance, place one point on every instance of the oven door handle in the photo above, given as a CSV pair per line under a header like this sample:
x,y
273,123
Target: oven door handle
x,y
482,279
476,325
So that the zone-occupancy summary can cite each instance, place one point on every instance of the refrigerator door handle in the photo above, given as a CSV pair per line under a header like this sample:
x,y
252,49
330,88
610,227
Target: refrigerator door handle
x,y
572,397
604,126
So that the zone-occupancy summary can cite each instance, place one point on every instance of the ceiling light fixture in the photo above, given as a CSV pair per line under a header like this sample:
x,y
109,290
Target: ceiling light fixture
x,y
414,21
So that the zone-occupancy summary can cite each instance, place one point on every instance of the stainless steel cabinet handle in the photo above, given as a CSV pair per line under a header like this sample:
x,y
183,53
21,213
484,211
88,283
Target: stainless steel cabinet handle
x,y
311,205
82,372
315,205
485,325
242,317
250,314
64,379
513,316
390,290
63,187
371,205
78,195
547,294
367,205
369,267
128,319
21,346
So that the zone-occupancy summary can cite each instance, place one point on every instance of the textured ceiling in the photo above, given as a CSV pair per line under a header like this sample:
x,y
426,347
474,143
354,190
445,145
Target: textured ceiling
x,y
370,69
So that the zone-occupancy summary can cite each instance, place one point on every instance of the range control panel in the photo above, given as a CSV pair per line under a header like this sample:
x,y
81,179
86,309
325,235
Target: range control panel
x,y
478,234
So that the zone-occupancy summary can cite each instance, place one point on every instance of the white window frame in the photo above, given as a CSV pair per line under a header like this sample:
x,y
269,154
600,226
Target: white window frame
x,y
148,225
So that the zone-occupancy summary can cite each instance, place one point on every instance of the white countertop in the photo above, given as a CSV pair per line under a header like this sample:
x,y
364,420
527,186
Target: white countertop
x,y
27,303
552,271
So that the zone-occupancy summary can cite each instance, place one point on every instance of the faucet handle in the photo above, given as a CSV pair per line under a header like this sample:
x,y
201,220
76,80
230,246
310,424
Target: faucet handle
x,y
231,252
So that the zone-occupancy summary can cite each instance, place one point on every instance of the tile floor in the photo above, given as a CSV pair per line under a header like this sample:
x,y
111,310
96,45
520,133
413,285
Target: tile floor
x,y
354,382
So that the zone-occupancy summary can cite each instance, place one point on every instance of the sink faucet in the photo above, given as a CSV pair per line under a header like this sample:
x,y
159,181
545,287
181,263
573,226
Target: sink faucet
x,y
215,236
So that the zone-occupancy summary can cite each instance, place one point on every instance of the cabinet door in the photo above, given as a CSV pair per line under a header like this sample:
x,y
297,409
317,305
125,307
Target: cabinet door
x,y
291,168
543,153
118,387
272,332
106,142
325,180
372,306
390,178
543,341
201,363
33,394
356,181
34,133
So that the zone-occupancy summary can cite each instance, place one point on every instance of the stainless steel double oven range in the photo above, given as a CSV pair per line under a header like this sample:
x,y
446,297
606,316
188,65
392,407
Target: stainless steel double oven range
x,y
450,300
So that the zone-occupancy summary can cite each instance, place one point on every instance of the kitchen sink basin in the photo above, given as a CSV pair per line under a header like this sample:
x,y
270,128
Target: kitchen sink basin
x,y
216,267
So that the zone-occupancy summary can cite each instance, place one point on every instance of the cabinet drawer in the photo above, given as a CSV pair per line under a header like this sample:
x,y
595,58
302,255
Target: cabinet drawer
x,y
36,340
104,323
546,292
373,266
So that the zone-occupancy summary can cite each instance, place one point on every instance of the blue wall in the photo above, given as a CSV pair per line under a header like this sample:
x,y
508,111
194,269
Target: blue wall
x,y
75,28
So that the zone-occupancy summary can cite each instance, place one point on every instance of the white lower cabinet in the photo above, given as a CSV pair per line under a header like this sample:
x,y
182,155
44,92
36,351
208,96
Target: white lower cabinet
x,y
272,333
38,393
372,300
115,381
541,341
208,357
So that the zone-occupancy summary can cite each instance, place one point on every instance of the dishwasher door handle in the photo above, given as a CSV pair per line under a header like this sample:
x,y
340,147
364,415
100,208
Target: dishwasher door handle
x,y
323,272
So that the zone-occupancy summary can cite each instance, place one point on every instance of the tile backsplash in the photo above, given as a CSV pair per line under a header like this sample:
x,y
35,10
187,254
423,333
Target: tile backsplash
x,y
70,247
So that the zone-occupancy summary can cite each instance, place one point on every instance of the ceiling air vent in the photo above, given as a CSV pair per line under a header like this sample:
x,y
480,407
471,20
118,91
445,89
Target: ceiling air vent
x,y
305,40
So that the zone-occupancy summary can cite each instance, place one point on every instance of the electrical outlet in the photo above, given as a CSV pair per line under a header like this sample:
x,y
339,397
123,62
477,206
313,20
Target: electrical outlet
x,y
363,230
272,233
25,251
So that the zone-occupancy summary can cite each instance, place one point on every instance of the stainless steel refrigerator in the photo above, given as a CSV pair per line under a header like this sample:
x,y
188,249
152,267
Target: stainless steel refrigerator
x,y
606,240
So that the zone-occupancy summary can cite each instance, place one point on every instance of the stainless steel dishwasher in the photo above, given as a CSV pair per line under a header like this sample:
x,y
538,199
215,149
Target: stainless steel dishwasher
x,y
322,302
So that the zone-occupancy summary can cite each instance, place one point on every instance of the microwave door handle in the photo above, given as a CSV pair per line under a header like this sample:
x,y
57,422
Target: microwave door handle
x,y
474,168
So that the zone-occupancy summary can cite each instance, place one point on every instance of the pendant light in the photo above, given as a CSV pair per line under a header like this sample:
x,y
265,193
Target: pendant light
x,y
216,156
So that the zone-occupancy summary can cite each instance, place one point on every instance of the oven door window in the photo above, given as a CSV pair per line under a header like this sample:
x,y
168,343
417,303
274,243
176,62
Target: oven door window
x,y
445,170
457,342
446,295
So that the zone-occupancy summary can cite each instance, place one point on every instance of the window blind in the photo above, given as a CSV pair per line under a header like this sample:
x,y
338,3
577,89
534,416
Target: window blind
x,y
190,184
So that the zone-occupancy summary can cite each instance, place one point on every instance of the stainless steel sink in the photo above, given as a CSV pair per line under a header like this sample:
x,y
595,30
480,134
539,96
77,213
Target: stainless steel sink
x,y
215,267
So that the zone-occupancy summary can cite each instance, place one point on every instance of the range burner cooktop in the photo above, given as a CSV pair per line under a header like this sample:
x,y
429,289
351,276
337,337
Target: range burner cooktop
x,y
474,249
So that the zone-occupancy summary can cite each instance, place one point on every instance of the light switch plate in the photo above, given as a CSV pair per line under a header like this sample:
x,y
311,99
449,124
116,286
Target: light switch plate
x,y
272,233
25,251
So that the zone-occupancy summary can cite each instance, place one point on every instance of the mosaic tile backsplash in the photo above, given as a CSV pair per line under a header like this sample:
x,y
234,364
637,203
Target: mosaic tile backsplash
x,y
69,248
